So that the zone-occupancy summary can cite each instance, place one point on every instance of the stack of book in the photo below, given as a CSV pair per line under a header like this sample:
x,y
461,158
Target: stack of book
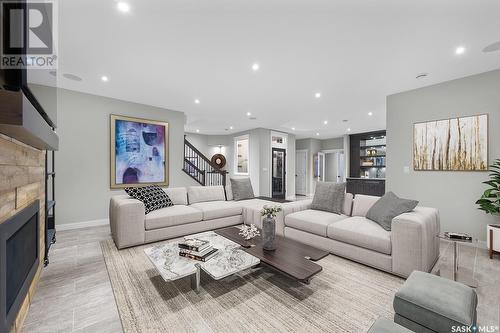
x,y
196,249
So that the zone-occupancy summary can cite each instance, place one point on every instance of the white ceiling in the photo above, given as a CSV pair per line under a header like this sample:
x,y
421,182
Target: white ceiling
x,y
168,53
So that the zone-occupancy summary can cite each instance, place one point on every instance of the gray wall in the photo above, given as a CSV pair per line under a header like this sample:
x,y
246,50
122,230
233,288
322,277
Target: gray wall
x,y
334,143
83,159
453,193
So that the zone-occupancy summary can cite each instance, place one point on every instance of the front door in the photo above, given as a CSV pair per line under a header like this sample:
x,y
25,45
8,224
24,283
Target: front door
x,y
278,176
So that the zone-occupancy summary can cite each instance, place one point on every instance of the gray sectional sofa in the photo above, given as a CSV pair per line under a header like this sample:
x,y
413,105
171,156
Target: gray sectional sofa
x,y
196,209
411,245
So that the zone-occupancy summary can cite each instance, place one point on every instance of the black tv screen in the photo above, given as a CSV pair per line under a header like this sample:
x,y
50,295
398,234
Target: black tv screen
x,y
36,79
41,88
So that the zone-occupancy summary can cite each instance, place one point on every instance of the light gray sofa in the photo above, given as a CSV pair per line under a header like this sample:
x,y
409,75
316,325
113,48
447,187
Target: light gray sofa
x,y
410,245
196,209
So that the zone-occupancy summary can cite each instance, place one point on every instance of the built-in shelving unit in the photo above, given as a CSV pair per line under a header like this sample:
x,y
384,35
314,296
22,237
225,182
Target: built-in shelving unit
x,y
367,163
50,203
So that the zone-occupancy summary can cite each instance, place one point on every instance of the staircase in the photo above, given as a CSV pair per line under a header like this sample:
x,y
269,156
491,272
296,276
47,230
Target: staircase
x,y
200,168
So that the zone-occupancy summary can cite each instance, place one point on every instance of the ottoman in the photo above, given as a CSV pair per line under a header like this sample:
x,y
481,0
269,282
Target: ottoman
x,y
429,303
383,325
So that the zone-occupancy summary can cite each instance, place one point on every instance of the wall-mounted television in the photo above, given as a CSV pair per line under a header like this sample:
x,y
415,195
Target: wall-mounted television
x,y
28,93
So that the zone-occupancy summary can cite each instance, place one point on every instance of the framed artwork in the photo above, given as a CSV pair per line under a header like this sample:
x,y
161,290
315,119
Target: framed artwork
x,y
139,152
455,144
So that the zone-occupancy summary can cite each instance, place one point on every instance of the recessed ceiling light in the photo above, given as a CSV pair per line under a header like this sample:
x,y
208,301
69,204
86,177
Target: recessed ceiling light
x,y
293,128
370,113
197,131
349,129
317,95
123,7
325,122
317,134
196,101
460,50
231,127
73,77
492,47
104,78
249,114
255,67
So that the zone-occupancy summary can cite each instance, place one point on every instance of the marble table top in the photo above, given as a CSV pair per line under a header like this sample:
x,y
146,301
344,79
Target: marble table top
x,y
229,259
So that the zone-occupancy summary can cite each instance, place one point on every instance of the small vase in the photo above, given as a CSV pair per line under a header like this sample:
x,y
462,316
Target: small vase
x,y
268,233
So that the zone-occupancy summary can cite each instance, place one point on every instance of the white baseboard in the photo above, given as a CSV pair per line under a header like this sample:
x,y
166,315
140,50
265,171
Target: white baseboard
x,y
84,224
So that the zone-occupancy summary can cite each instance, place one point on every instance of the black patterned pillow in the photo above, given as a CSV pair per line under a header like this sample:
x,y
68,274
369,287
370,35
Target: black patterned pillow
x,y
152,196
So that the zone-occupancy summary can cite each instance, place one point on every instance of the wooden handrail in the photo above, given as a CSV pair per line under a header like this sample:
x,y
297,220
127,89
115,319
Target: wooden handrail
x,y
194,166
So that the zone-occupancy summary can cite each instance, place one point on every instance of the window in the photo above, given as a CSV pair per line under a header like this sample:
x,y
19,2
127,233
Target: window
x,y
241,155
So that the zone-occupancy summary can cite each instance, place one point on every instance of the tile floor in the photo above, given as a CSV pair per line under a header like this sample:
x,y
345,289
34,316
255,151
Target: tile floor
x,y
75,295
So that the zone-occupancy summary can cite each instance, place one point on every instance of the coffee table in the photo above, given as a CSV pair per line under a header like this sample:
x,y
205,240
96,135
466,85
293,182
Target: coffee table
x,y
230,259
292,258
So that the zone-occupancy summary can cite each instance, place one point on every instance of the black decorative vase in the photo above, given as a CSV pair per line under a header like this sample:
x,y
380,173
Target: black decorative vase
x,y
268,233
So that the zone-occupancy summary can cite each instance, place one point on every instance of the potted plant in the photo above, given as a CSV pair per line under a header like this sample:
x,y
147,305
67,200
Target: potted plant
x,y
269,226
490,203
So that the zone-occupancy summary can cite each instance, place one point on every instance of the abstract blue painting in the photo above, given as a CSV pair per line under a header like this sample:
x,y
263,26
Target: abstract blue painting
x,y
139,152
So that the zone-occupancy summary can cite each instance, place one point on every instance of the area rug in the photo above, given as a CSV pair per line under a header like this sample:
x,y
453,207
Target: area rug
x,y
343,297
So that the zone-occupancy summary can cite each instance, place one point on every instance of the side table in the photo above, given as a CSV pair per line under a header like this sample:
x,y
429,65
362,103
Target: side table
x,y
463,275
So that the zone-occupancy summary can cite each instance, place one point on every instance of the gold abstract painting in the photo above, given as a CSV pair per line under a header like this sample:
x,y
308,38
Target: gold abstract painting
x,y
456,144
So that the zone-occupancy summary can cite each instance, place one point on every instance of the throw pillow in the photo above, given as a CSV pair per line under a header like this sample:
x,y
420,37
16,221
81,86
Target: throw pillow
x,y
152,196
242,189
388,207
329,197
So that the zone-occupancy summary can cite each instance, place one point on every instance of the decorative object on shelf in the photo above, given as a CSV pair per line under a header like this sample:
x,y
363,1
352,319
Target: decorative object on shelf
x,y
139,149
371,152
269,226
456,144
219,160
490,203
249,231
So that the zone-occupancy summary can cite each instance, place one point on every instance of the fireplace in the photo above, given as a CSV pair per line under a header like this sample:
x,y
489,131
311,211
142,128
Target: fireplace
x,y
19,259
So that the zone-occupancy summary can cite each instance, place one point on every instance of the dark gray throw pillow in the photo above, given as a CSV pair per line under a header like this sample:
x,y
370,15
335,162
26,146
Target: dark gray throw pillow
x,y
329,197
388,207
242,188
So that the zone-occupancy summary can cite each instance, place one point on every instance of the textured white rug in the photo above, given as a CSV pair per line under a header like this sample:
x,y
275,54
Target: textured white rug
x,y
344,297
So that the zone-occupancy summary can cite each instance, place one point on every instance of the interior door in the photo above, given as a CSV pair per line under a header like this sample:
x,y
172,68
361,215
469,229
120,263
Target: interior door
x,y
320,172
301,172
278,173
